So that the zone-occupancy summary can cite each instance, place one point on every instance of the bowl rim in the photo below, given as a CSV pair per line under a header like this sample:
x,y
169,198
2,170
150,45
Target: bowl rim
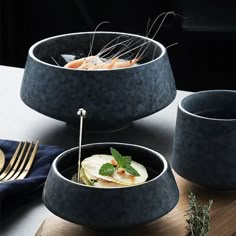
x,y
160,156
196,94
31,49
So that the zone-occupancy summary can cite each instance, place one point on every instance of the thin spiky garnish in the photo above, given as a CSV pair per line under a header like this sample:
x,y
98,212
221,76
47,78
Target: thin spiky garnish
x,y
198,216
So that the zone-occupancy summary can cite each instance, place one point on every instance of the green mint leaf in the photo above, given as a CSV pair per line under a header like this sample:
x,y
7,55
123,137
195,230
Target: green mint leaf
x,y
126,160
107,169
131,170
117,156
122,161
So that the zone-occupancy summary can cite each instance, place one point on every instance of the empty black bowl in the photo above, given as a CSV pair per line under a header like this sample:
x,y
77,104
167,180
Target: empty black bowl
x,y
110,208
204,141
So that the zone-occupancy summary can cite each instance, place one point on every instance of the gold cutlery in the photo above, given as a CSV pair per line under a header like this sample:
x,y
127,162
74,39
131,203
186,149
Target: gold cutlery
x,y
21,161
2,160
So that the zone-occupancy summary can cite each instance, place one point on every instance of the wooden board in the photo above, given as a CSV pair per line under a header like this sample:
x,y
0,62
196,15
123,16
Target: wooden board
x,y
223,217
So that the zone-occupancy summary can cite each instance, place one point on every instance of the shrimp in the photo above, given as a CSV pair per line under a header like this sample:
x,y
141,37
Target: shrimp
x,y
125,63
79,62
101,61
108,65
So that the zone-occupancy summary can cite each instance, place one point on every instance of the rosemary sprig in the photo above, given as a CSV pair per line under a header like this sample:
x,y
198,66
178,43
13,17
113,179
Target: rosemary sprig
x,y
198,216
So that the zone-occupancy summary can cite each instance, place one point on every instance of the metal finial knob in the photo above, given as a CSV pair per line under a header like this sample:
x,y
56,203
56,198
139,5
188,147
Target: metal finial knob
x,y
81,112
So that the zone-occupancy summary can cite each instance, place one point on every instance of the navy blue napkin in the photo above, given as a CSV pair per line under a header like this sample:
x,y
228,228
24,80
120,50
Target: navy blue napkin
x,y
16,192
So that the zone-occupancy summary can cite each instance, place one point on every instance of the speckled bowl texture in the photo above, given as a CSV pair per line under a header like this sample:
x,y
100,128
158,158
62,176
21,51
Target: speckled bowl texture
x,y
112,98
204,148
111,208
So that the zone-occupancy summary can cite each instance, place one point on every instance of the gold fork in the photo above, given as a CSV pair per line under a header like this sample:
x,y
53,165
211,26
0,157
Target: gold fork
x,y
21,162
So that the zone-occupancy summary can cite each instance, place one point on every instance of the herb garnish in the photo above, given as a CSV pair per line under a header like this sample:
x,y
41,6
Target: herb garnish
x,y
123,162
198,216
93,181
107,169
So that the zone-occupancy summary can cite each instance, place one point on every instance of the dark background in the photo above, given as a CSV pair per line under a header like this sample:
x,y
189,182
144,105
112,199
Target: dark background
x,y
204,57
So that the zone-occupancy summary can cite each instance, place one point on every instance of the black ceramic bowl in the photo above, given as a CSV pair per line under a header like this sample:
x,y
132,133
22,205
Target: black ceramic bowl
x,y
112,98
204,149
110,208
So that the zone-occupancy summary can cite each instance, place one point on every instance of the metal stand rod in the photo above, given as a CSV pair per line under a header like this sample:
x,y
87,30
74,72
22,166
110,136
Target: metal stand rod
x,y
82,114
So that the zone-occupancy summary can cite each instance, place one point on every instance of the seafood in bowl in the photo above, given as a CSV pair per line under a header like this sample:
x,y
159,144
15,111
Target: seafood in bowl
x,y
122,94
113,207
116,54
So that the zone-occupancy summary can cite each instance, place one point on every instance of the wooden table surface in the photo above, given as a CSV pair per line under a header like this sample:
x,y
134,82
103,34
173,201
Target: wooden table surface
x,y
223,217
155,132
21,123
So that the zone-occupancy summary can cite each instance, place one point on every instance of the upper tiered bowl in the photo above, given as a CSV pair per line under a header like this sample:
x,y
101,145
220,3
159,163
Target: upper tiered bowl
x,y
112,98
